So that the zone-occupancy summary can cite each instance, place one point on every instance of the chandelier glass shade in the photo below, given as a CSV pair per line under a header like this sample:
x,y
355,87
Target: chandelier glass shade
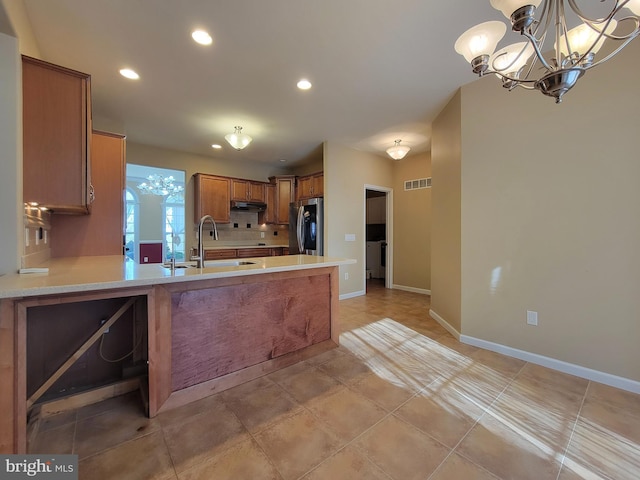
x,y
574,48
159,185
398,151
237,139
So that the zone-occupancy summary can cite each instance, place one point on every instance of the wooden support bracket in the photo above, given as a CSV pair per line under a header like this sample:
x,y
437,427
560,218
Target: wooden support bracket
x,y
78,353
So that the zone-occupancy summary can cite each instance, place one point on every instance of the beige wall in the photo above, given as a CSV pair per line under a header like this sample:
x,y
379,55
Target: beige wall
x,y
446,214
412,225
346,173
550,218
10,155
17,16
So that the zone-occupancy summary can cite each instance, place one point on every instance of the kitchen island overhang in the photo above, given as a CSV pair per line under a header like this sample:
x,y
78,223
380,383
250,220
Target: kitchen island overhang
x,y
207,329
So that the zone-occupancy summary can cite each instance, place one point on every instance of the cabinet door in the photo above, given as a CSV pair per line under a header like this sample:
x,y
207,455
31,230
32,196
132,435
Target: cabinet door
x,y
317,189
305,188
56,136
219,254
256,191
269,215
285,194
239,189
101,232
212,198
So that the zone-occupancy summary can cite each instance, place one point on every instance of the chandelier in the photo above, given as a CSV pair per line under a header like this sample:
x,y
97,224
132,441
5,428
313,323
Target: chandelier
x,y
398,151
159,185
526,64
237,139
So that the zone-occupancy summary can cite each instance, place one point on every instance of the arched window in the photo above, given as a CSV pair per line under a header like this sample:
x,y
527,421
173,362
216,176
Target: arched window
x,y
131,219
174,233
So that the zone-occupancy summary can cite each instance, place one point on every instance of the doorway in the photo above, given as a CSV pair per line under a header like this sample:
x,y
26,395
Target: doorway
x,y
378,236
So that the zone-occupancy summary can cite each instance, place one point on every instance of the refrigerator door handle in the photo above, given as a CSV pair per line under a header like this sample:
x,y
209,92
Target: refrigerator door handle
x,y
301,229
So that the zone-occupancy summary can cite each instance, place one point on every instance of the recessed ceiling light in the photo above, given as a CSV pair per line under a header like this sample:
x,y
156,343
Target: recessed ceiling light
x,y
283,160
202,37
128,73
216,146
304,84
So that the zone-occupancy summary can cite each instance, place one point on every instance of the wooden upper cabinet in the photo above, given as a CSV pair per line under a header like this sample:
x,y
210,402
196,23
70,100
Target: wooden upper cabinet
x,y
285,194
56,137
212,197
310,186
247,191
101,232
269,215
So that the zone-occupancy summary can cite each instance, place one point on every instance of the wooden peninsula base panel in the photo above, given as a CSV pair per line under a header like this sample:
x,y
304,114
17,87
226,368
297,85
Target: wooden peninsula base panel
x,y
224,332
203,335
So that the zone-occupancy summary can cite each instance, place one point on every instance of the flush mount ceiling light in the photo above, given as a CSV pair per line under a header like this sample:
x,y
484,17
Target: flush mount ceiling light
x,y
237,139
398,151
574,49
159,185
216,146
130,74
201,37
304,84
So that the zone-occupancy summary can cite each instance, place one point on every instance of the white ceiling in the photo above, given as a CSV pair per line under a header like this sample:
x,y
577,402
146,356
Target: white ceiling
x,y
381,69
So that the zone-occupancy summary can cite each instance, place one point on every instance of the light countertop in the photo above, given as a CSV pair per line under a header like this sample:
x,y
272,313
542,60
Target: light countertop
x,y
81,274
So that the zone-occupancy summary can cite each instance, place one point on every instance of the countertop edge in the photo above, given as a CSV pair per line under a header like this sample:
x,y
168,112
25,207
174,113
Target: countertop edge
x,y
58,281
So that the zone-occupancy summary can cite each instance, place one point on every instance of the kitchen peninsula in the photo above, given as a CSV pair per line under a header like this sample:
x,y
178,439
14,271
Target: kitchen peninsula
x,y
207,329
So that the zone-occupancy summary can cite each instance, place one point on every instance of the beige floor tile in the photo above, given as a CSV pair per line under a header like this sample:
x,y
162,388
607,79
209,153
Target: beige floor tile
x,y
245,460
203,436
385,393
401,450
347,413
259,403
547,377
507,451
54,440
112,427
187,412
596,452
457,346
308,383
620,399
507,366
297,444
325,356
345,368
608,417
347,464
442,412
145,457
456,467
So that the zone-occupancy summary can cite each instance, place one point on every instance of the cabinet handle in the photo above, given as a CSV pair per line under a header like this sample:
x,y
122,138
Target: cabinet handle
x,y
92,193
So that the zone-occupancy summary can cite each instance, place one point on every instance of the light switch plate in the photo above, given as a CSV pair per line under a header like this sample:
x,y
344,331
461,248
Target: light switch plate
x,y
349,237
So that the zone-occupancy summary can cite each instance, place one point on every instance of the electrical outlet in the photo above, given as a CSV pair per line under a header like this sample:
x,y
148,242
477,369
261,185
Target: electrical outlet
x,y
102,322
532,318
261,234
346,275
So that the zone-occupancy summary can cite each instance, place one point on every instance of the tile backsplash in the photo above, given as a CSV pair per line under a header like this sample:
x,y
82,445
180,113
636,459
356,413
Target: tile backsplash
x,y
244,229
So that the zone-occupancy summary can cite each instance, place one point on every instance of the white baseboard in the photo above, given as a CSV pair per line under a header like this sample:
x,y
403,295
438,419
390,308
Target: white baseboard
x,y
570,368
422,291
359,293
445,324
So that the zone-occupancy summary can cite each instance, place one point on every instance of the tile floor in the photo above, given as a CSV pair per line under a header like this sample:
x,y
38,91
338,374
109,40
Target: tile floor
x,y
399,399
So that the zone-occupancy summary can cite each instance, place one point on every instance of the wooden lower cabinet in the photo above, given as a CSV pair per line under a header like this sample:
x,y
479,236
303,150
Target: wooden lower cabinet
x,y
222,254
219,254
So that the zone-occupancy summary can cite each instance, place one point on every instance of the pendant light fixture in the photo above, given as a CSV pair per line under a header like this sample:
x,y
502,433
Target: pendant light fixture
x,y
237,139
572,51
398,151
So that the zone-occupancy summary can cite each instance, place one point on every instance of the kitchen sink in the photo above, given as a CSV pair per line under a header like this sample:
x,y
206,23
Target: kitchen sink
x,y
226,263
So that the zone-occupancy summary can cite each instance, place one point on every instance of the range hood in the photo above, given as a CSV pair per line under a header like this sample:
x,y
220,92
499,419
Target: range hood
x,y
252,206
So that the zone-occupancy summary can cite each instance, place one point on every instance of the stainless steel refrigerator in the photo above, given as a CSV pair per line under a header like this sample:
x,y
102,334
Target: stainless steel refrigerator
x,y
306,227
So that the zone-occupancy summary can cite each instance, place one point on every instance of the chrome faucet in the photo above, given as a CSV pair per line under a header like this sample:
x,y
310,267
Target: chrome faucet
x,y
199,258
